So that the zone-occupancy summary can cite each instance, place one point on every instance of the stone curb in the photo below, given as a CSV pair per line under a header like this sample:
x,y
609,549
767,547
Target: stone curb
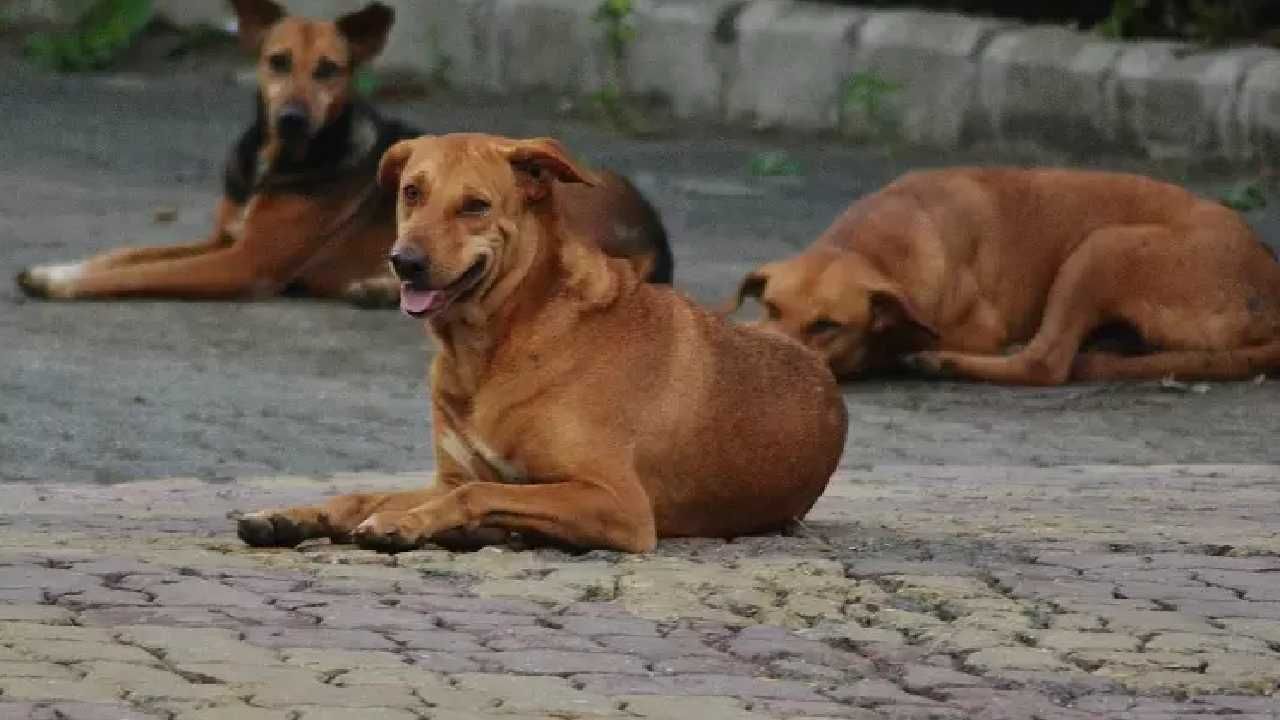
x,y
928,78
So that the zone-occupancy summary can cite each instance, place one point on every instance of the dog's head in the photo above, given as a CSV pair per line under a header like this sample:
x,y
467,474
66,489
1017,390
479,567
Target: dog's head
x,y
306,68
464,212
838,305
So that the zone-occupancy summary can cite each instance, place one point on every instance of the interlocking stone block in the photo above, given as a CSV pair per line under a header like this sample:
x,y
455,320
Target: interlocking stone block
x,y
477,620
454,39
536,694
1070,641
592,626
703,665
34,613
94,711
334,697
317,638
533,637
149,684
921,678
233,712
421,681
1141,622
683,708
45,689
791,60
1265,630
366,713
726,685
197,645
201,592
329,660
249,674
1260,109
34,670
658,648
560,662
448,640
1194,643
1013,658
873,692
70,651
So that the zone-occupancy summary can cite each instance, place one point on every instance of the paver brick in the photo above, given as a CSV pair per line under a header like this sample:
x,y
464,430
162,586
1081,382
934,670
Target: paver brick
x,y
1013,658
685,708
1070,641
366,713
329,660
147,683
560,662
70,651
445,640
197,645
34,670
233,712
421,681
52,689
318,638
535,694
726,685
528,637
594,626
361,696
34,613
1194,642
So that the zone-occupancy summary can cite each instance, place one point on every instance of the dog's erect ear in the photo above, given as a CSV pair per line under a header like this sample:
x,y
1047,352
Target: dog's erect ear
x,y
751,286
540,161
392,165
253,19
891,311
366,31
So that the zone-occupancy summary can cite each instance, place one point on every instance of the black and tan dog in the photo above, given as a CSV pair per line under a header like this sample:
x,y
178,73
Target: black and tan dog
x,y
301,211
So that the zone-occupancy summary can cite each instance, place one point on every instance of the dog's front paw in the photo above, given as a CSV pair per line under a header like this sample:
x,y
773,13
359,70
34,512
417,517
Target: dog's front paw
x,y
270,529
391,532
49,281
933,364
373,293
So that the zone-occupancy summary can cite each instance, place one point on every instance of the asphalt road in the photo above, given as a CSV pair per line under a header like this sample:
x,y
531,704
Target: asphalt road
x,y
105,392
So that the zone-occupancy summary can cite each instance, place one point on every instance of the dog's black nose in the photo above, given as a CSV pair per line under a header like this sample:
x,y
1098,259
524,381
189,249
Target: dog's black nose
x,y
293,121
409,265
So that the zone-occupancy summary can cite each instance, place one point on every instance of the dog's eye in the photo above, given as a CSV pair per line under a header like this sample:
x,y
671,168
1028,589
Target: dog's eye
x,y
411,194
280,62
474,206
326,70
822,325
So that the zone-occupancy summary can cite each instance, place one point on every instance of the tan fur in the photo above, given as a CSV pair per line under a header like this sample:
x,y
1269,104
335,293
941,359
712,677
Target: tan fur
x,y
950,268
569,399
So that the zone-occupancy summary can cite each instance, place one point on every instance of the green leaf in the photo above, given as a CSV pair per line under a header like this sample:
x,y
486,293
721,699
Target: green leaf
x,y
774,164
1245,197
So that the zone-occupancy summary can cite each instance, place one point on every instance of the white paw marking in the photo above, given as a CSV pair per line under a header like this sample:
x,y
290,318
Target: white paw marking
x,y
57,274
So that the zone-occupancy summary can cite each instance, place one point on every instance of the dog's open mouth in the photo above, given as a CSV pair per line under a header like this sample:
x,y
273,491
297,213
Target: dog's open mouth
x,y
422,303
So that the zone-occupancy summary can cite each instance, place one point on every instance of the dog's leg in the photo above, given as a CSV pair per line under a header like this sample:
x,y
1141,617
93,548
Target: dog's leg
x,y
335,519
278,234
50,280
1236,364
578,513
1083,294
375,292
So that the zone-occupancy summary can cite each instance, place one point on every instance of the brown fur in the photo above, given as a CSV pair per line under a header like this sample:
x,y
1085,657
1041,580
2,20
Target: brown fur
x,y
328,239
570,400
950,268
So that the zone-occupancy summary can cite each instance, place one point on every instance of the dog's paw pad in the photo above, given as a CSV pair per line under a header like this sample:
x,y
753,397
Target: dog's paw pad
x,y
390,540
263,530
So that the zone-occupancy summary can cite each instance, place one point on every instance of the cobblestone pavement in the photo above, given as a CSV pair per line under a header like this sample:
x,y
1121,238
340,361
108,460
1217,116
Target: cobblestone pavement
x,y
942,592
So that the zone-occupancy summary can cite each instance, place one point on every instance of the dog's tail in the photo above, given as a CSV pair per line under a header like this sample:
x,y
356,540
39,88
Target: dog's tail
x,y
1234,364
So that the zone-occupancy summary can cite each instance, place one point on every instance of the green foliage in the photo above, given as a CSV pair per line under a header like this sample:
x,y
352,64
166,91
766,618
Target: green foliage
x,y
863,104
366,82
774,164
105,31
615,16
1245,197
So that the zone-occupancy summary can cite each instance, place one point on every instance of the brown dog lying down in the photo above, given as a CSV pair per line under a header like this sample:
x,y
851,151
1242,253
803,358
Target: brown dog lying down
x,y
571,401
301,212
948,268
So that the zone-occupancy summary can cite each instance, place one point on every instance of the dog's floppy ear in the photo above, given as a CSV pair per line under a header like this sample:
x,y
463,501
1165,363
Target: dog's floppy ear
x,y
751,286
392,165
366,31
891,311
253,19
539,161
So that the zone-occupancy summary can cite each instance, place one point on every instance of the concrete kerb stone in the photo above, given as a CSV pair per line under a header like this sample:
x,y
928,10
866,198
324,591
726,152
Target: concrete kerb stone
x,y
678,39
1037,82
550,45
1189,108
1260,109
791,59
932,60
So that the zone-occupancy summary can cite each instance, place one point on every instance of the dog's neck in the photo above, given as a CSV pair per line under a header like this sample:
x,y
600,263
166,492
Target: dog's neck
x,y
556,269
325,150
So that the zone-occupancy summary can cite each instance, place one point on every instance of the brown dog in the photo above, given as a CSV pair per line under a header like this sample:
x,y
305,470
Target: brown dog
x,y
571,401
301,211
948,268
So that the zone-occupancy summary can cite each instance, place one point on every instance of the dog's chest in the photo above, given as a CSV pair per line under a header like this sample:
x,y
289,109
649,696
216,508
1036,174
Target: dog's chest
x,y
479,460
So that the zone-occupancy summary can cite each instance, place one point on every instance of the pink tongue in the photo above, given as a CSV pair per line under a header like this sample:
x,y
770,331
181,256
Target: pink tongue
x,y
420,302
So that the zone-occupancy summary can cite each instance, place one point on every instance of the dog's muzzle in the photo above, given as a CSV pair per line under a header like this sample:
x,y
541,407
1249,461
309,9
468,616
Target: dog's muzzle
x,y
409,265
293,122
